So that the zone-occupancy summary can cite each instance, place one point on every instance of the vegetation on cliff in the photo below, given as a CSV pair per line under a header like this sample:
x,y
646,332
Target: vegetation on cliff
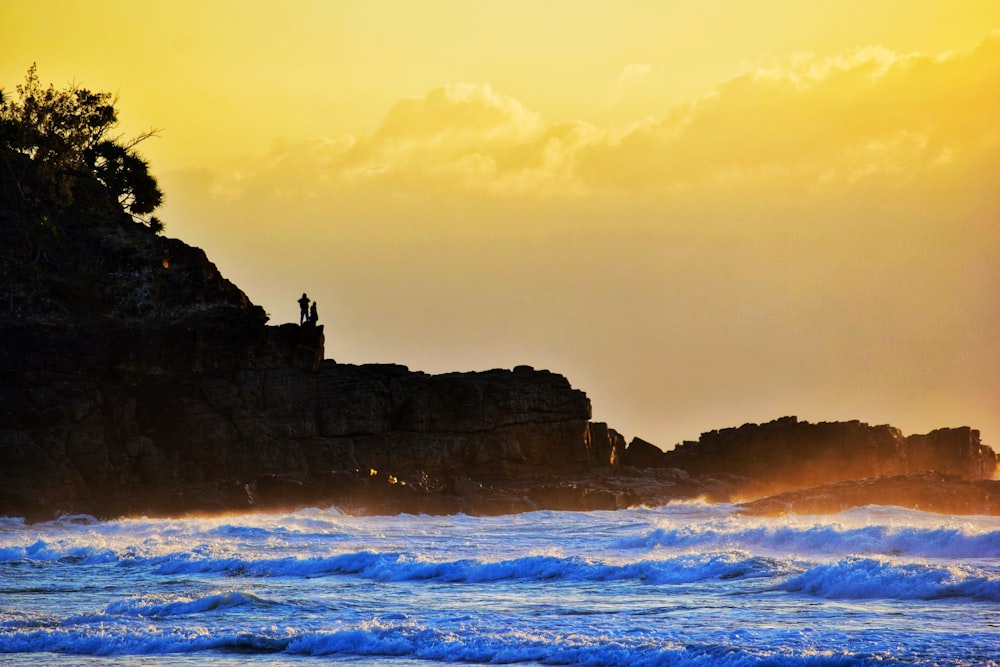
x,y
57,145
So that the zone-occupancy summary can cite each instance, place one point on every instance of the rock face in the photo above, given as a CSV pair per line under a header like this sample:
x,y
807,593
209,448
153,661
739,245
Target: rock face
x,y
642,454
928,491
134,377
786,454
141,419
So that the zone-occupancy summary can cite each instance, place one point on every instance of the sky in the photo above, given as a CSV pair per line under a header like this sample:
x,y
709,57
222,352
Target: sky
x,y
702,213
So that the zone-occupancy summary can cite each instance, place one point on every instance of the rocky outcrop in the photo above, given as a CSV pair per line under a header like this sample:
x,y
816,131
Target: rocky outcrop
x,y
957,452
642,454
790,454
606,446
928,491
148,419
135,377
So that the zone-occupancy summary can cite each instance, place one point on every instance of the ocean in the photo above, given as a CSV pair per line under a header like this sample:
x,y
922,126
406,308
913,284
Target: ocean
x,y
683,584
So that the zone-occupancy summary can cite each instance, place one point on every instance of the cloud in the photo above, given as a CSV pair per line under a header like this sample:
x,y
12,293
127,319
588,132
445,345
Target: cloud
x,y
631,75
458,139
803,124
817,123
816,232
457,114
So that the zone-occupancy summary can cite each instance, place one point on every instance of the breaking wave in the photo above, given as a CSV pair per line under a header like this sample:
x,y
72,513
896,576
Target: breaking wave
x,y
693,584
388,639
868,578
400,567
827,539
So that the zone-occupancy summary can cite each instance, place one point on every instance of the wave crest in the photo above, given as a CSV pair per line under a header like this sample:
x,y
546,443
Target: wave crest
x,y
857,578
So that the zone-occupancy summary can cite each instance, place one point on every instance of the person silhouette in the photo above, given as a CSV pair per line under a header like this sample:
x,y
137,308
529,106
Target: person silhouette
x,y
303,309
313,316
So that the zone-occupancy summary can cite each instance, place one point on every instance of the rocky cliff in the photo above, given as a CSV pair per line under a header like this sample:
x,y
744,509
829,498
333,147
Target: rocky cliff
x,y
118,416
136,378
216,410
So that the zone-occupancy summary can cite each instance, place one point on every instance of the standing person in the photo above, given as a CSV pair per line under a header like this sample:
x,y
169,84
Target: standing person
x,y
303,309
313,316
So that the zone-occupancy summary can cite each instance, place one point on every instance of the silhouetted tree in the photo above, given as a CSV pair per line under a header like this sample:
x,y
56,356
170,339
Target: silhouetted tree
x,y
127,177
63,137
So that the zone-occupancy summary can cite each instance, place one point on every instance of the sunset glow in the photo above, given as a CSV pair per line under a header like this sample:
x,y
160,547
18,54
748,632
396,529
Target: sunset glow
x,y
702,213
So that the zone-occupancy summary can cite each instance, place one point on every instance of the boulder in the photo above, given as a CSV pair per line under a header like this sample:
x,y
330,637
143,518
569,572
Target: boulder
x,y
642,454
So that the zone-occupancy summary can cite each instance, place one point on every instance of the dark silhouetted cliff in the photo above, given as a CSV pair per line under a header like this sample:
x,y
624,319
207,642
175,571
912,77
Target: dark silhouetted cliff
x,y
194,414
135,378
787,453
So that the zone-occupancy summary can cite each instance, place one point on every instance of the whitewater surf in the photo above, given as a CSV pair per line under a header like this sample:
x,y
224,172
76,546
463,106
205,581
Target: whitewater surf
x,y
684,584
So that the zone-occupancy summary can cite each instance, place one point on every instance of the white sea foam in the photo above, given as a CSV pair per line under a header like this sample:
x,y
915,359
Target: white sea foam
x,y
386,640
689,584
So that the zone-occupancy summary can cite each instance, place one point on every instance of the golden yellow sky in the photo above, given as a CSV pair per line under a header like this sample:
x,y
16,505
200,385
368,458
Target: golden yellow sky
x,y
703,213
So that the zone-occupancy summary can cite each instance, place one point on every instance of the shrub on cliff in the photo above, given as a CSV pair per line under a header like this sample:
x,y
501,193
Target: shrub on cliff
x,y
56,145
